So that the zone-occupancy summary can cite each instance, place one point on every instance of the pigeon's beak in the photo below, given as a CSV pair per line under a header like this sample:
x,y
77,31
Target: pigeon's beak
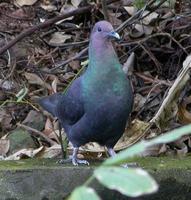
x,y
114,34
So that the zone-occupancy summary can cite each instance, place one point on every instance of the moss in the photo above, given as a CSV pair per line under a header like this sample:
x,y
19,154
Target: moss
x,y
157,163
44,178
151,163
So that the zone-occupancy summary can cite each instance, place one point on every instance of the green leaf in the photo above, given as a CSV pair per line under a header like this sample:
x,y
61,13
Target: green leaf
x,y
21,94
121,157
136,149
171,136
132,182
84,193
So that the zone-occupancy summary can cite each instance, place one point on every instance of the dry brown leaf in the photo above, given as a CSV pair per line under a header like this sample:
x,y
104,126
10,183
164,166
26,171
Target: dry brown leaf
x,y
24,153
51,152
48,126
5,119
54,84
25,2
184,116
139,102
76,3
155,150
4,146
144,29
131,9
147,20
36,80
59,38
48,7
65,9
132,134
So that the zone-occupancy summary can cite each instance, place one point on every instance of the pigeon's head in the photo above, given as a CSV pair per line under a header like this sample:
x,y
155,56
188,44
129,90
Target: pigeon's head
x,y
104,31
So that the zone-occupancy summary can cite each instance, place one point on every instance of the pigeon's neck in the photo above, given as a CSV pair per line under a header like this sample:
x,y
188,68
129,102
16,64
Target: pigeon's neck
x,y
102,57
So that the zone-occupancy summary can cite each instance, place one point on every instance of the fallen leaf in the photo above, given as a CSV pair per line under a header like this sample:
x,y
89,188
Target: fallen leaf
x,y
130,9
54,84
36,80
25,2
59,37
65,9
24,153
5,120
4,146
49,7
76,3
184,116
50,152
144,29
147,20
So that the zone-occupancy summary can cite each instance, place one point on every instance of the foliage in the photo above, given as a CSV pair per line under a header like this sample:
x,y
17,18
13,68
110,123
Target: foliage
x,y
139,3
131,182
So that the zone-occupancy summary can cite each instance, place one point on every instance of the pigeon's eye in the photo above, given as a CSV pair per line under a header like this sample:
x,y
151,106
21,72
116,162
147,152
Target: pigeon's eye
x,y
99,29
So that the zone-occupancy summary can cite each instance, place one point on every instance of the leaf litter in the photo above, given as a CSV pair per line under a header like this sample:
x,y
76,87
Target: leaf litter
x,y
159,39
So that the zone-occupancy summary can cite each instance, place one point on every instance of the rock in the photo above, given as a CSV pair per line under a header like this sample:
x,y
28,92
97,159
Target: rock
x,y
35,120
20,139
31,179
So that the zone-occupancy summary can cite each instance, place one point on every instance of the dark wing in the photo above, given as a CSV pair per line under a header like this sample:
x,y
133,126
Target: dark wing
x,y
68,107
71,108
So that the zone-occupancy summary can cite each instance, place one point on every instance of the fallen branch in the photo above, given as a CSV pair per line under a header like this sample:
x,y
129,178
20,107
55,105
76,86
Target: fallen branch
x,y
65,62
44,25
174,91
50,22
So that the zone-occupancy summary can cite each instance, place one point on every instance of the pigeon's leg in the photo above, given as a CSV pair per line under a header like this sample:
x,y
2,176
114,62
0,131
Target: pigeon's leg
x,y
75,161
112,153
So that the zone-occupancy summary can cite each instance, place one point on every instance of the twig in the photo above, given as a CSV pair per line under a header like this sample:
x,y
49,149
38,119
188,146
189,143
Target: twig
x,y
63,63
155,35
49,22
133,18
2,103
44,25
155,80
179,83
71,44
36,132
104,8
157,63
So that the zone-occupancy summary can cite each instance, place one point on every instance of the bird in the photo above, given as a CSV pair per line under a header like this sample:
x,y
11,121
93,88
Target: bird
x,y
97,105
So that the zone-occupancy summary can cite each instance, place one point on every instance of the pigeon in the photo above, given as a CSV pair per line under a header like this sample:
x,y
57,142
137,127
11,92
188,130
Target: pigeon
x,y
97,105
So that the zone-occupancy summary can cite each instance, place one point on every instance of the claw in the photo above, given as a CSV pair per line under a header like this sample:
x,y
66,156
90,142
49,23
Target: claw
x,y
78,161
75,161
126,165
64,161
132,165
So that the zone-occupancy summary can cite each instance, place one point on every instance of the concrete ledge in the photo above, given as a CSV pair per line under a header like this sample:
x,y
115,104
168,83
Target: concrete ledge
x,y
45,180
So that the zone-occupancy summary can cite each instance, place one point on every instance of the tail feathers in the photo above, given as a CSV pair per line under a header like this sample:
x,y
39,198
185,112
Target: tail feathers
x,y
50,103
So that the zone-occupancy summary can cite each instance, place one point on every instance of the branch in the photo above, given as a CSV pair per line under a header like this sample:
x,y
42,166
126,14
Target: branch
x,y
50,22
44,25
104,8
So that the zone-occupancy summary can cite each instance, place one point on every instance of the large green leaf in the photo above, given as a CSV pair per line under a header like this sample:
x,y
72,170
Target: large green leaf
x,y
122,157
171,136
141,146
132,182
84,193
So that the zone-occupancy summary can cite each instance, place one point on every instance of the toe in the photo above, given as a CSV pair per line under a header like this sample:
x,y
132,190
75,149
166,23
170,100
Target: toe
x,y
64,161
